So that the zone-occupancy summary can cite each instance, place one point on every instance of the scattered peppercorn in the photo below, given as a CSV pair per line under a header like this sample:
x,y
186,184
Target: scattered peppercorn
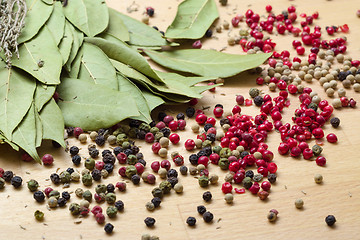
x,y
149,221
110,198
2,183
201,209
8,175
74,150
39,196
32,185
109,228
16,181
52,202
61,202
76,159
111,211
39,215
119,205
272,177
207,196
330,220
191,221
183,170
317,150
190,112
272,216
203,181
179,188
208,217
229,198
335,122
318,178
299,203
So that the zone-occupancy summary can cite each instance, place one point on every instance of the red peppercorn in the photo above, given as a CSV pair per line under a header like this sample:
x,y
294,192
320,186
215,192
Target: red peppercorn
x,y
156,147
122,157
139,168
122,186
174,138
281,29
96,209
254,189
306,39
26,158
197,44
160,125
173,125
295,152
307,153
320,161
218,112
318,133
211,89
344,101
77,131
300,50
268,8
122,171
47,191
201,119
344,28
249,13
259,81
315,15
47,159
189,144
330,30
193,101
235,21
236,109
226,187
204,160
240,99
211,120
99,165
149,137
155,166
331,138
100,218
165,164
151,178
265,185
272,167
352,103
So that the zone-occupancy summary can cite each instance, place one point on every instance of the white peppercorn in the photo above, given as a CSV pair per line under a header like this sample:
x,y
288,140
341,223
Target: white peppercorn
x,y
346,83
357,87
341,92
330,92
336,103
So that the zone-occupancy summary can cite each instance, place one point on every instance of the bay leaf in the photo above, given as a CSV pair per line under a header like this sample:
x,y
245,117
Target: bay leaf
x,y
188,81
38,128
25,134
53,123
75,66
16,95
4,139
89,16
193,19
116,27
37,14
96,67
142,34
141,48
43,93
208,63
152,100
66,43
126,86
48,1
56,23
121,52
41,48
78,38
203,88
86,105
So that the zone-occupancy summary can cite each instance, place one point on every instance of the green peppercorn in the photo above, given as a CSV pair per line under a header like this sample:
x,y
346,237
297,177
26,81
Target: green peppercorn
x,y
74,208
90,163
65,177
52,202
224,163
317,150
130,171
247,182
253,92
100,188
178,188
110,198
104,173
39,215
217,149
145,236
111,211
257,177
79,192
2,183
229,198
54,193
158,136
126,145
150,206
203,181
299,203
157,192
87,179
154,130
85,171
75,176
206,143
165,186
318,178
32,185
131,159
87,195
225,153
154,237
111,140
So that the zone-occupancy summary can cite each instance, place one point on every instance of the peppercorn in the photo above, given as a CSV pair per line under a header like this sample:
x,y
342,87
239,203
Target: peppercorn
x,y
229,177
39,215
87,195
87,179
172,173
299,203
39,196
84,203
166,131
330,220
110,187
109,228
111,211
149,221
96,174
263,195
207,196
75,176
156,201
193,159
76,159
94,153
208,217
157,192
214,178
54,193
108,167
52,202
16,181
150,206
258,100
244,153
190,112
79,192
108,158
110,198
121,186
70,170
74,150
191,221
2,183
165,186
100,188
272,178
8,175
119,205
183,170
135,179
32,185
61,202
74,208
253,92
335,122
229,198
247,182
130,171
65,177
318,178
193,170
201,209
272,216
90,163
203,181
178,188
173,181
316,150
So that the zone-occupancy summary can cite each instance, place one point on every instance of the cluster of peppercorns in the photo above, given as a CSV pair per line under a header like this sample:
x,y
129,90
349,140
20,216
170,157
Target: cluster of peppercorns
x,y
8,176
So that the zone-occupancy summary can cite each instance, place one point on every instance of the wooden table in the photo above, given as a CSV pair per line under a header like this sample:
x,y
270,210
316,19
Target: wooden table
x,y
246,217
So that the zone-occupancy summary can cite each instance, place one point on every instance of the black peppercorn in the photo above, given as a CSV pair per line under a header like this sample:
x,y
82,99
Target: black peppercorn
x,y
39,196
172,173
100,140
140,134
201,153
208,126
342,75
16,181
272,178
119,205
70,170
258,100
109,167
128,152
166,131
193,159
117,150
142,161
55,178
330,220
224,121
207,150
108,158
76,159
74,150
162,33
106,151
8,175
65,195
211,137
109,228
61,202
139,155
173,181
110,187
243,154
161,116
208,217
96,174
191,221
152,124
180,116
249,174
134,123
94,153
183,170
135,150
219,105
208,33
156,201
207,196
313,106
135,179
335,122
201,209
149,221
70,131
190,112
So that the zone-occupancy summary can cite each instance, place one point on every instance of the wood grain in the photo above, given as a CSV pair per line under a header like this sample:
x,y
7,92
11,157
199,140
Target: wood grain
x,y
246,217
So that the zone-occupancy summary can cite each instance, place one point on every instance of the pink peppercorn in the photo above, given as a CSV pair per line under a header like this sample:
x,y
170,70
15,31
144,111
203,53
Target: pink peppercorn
x,y
100,218
211,120
234,166
189,144
47,191
149,137
218,112
122,171
295,152
201,119
181,124
197,44
272,167
321,161
240,99
204,160
331,138
26,157
265,185
174,138
151,178
1,172
99,165
122,157
156,147
139,168
165,164
239,190
96,209
318,133
226,187
307,153
254,189
173,125
121,186
77,131
268,8
47,159
214,158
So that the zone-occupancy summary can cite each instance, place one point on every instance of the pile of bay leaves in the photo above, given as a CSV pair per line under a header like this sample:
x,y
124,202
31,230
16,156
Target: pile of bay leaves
x,y
91,56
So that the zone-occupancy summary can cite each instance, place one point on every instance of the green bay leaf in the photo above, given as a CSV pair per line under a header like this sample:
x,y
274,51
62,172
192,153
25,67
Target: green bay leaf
x,y
121,52
193,19
208,63
4,139
39,129
53,123
66,43
96,67
188,81
48,1
152,100
78,38
25,134
90,16
16,95
43,93
56,23
37,14
41,48
116,28
86,105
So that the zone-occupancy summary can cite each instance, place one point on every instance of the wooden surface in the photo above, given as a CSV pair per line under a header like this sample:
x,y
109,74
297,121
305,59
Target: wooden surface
x,y
246,217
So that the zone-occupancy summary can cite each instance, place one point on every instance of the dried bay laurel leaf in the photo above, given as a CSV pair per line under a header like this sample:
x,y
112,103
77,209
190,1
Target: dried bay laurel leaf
x,y
56,23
